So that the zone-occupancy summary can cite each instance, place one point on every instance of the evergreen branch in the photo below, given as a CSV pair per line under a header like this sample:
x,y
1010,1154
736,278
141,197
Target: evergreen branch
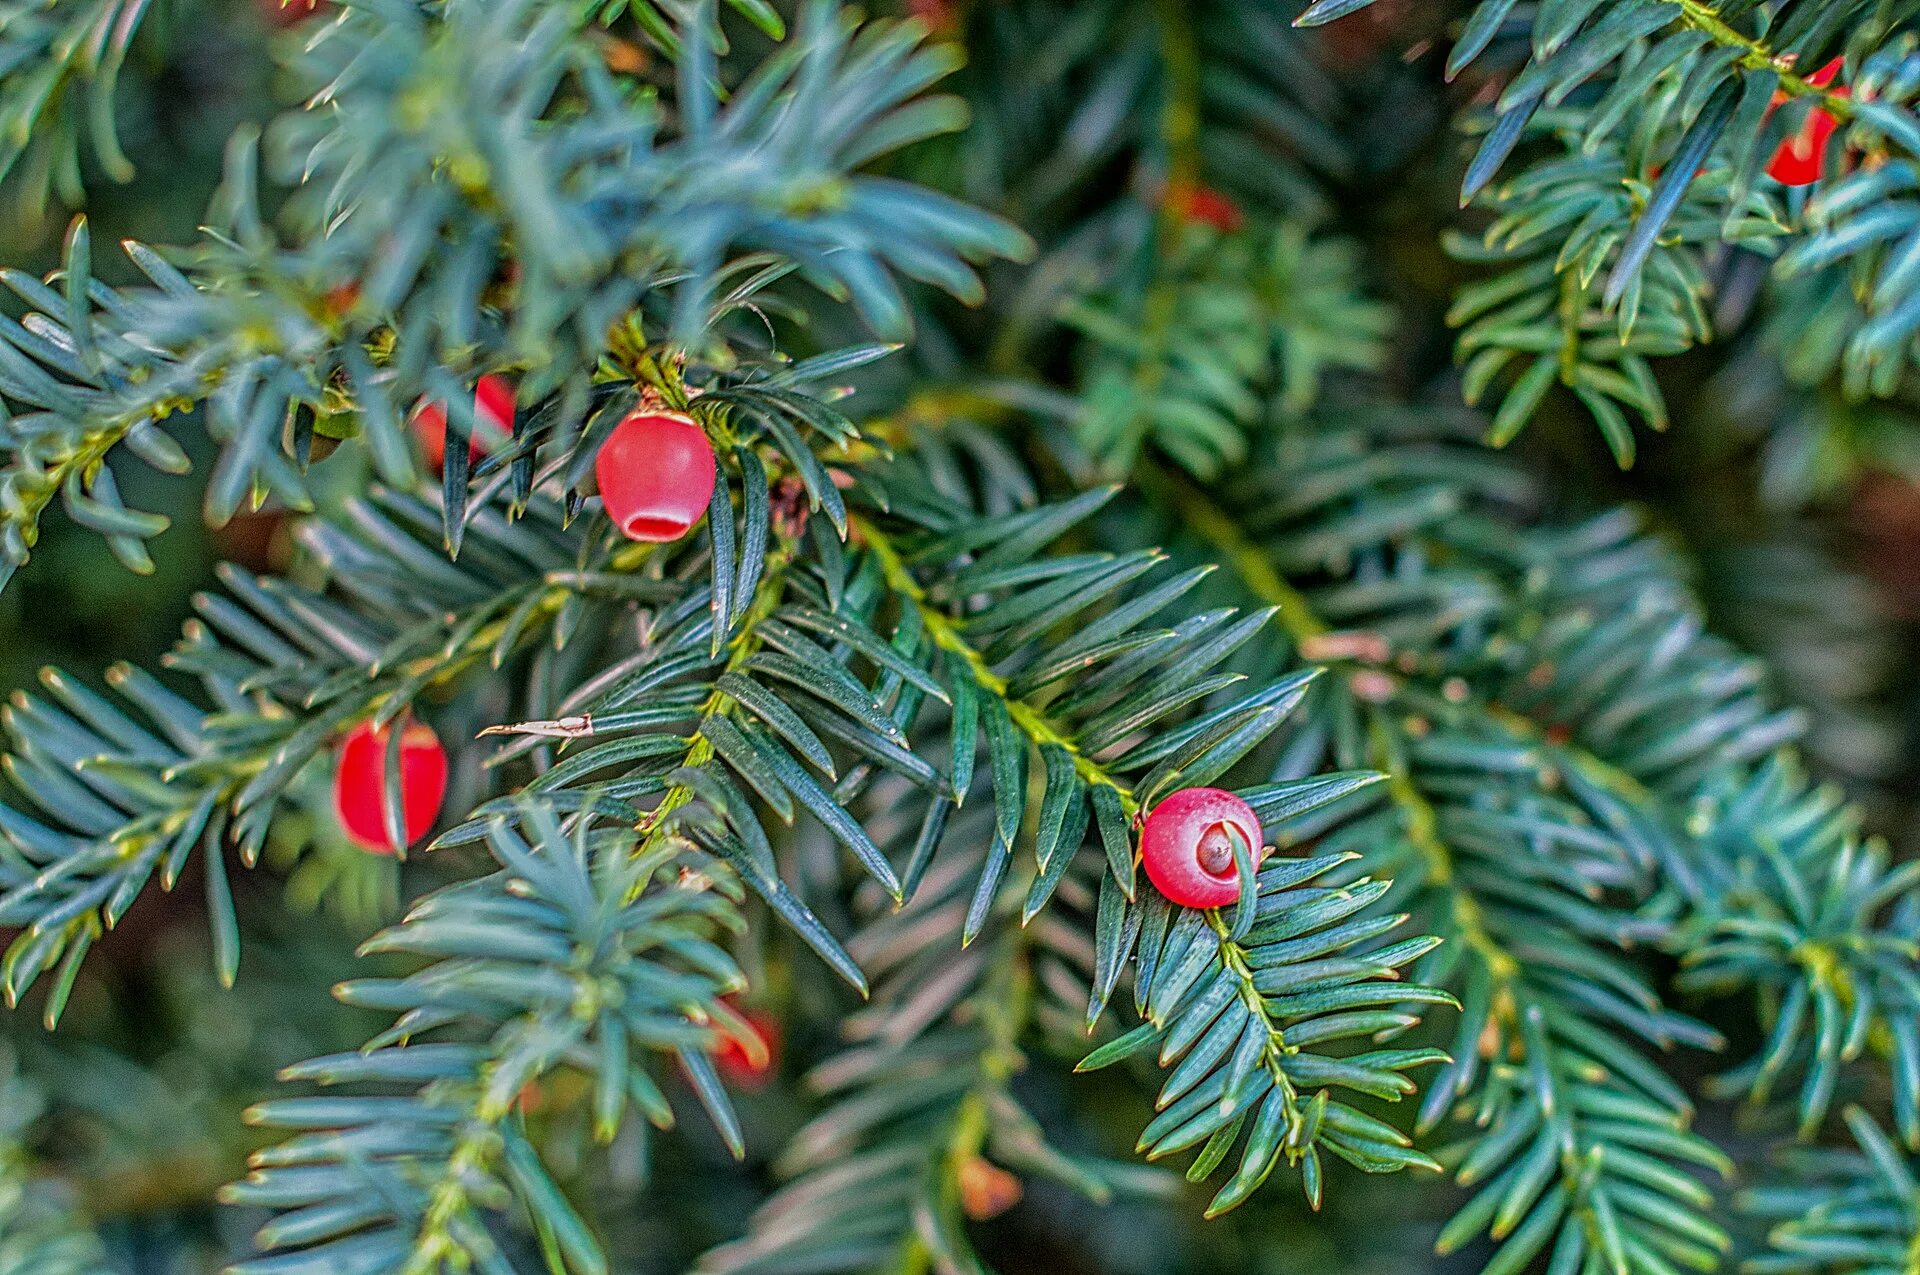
x,y
289,669
1558,32
1058,657
1778,894
1576,1100
923,1131
122,792
946,636
1690,105
63,61
1558,229
581,953
604,215
1227,318
1853,1210
968,586
1242,1019
1519,735
1167,364
1756,880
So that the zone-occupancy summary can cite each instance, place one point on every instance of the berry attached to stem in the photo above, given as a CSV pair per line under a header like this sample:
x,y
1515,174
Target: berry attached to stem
x,y
1187,846
360,783
656,474
1801,158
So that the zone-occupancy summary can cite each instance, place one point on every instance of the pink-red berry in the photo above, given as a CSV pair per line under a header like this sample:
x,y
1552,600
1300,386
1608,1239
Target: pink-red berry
x,y
1186,846
360,783
656,473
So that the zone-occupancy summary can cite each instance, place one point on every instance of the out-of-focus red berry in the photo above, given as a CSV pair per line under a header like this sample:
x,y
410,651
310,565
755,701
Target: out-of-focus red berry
x,y
749,1063
492,421
1205,205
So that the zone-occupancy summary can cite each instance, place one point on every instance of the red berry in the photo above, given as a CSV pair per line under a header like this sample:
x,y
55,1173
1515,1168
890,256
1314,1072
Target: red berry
x,y
656,474
1191,202
747,1063
1187,849
492,421
360,783
1800,159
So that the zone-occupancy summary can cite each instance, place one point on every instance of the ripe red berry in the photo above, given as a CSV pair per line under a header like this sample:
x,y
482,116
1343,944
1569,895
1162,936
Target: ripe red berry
x,y
360,783
656,474
749,1063
1800,159
492,421
1187,849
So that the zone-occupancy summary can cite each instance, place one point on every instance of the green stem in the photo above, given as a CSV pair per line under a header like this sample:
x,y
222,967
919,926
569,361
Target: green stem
x,y
1422,824
1248,560
1233,957
473,1154
1252,564
1180,110
742,645
1755,56
946,635
1572,302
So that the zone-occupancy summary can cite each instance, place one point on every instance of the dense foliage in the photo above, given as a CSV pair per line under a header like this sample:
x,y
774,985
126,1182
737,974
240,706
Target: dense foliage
x,y
1084,430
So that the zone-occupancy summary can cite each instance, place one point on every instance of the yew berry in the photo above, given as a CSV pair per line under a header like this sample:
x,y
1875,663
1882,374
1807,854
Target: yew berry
x,y
1801,158
1192,202
748,1062
360,783
1187,846
492,421
656,474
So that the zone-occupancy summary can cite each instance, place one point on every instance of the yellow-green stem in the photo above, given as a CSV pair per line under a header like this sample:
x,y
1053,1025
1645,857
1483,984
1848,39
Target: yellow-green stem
x,y
1755,56
946,635
1233,958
